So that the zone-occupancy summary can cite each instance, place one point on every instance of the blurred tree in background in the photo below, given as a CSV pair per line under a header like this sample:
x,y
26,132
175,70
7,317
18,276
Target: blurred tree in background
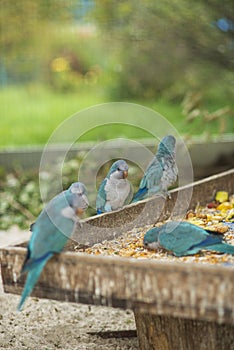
x,y
39,41
167,47
145,48
141,51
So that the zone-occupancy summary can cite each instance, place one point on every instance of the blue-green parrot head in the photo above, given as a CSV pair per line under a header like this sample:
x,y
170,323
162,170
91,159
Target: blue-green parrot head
x,y
79,197
78,188
118,170
151,237
167,145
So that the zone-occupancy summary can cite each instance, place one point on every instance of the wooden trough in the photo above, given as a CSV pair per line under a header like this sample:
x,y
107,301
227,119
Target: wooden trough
x,y
176,305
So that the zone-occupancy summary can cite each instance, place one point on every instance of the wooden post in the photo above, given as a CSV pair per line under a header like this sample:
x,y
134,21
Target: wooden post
x,y
168,333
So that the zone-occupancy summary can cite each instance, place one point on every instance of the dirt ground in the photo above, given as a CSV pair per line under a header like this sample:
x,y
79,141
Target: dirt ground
x,y
48,324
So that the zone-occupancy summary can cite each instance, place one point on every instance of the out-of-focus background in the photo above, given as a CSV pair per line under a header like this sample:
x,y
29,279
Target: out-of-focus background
x,y
58,57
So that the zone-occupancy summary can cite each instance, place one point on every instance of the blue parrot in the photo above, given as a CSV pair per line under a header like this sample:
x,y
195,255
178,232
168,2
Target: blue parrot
x,y
115,190
51,231
183,238
161,172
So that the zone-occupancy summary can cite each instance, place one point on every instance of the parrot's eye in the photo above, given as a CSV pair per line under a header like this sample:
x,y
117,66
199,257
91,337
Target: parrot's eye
x,y
146,243
118,169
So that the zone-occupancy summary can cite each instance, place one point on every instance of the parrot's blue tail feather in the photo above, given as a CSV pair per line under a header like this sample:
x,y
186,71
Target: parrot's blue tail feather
x,y
211,239
31,280
33,263
139,195
222,248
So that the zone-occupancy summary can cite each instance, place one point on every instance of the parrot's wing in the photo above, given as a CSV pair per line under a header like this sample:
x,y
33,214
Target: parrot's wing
x,y
153,175
51,230
184,239
101,197
130,195
151,181
44,244
50,233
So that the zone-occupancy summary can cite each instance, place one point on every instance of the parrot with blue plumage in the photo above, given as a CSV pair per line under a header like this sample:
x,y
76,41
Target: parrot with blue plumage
x,y
184,238
51,231
115,190
161,173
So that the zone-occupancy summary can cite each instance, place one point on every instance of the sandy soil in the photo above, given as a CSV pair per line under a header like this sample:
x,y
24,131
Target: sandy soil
x,y
48,324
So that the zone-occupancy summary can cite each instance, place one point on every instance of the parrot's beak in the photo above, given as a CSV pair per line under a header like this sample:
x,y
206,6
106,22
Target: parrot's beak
x,y
125,174
79,211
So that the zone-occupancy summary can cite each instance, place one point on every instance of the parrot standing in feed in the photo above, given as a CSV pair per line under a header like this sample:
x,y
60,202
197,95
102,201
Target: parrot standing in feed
x,y
183,238
115,190
161,172
51,231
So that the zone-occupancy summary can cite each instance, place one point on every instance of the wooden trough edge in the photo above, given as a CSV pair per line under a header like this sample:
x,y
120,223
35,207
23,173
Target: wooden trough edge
x,y
183,290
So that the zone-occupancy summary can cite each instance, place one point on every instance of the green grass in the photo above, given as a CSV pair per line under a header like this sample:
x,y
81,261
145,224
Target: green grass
x,y
29,114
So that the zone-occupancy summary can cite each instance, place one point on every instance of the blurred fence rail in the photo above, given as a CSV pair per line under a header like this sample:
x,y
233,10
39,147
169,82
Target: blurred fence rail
x,y
208,156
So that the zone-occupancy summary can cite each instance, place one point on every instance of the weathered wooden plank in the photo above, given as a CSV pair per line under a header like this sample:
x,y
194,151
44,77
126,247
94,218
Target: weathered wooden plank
x,y
179,290
168,333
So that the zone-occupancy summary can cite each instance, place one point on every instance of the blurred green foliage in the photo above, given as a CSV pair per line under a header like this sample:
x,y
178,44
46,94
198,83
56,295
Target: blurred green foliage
x,y
20,193
20,200
168,47
134,49
43,41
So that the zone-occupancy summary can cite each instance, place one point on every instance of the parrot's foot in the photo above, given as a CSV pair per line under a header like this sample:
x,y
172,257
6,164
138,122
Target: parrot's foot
x,y
168,195
79,224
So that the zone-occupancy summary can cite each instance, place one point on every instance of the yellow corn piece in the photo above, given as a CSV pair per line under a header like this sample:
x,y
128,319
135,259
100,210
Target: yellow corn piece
x,y
224,206
128,253
209,217
217,218
221,196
